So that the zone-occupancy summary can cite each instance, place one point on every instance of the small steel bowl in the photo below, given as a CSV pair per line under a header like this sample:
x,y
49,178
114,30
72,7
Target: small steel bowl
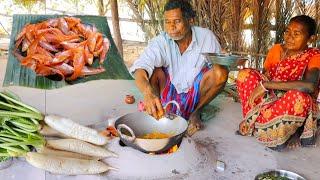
x,y
280,173
5,164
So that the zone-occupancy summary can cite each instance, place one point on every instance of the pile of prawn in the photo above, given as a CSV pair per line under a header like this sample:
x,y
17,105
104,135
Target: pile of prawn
x,y
62,47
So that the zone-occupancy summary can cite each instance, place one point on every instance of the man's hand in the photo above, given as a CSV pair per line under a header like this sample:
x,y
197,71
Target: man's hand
x,y
153,105
151,101
258,92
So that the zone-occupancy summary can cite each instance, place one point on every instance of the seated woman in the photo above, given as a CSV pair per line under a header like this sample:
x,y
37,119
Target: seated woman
x,y
279,105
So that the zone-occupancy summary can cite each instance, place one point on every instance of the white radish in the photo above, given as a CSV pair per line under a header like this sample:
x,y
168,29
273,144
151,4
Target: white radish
x,y
48,131
74,130
81,147
54,152
67,166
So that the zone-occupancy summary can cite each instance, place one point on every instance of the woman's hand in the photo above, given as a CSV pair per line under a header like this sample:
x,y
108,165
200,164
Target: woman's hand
x,y
153,105
258,92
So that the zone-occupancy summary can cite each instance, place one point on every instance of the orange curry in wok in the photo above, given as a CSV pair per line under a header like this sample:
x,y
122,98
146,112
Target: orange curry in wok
x,y
156,135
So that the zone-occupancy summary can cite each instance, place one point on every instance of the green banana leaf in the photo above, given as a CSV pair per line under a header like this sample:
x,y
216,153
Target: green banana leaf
x,y
17,75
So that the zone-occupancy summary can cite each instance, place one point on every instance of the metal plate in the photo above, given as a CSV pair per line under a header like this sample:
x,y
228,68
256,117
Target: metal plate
x,y
280,173
230,60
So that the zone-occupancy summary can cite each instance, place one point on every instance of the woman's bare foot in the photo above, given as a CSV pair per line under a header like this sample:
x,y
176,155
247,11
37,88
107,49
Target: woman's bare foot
x,y
294,141
195,123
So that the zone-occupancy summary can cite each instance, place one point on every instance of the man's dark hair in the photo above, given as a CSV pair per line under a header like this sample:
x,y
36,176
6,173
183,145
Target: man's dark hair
x,y
308,22
184,5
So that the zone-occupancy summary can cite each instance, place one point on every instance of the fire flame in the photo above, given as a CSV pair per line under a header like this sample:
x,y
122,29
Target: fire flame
x,y
170,151
173,149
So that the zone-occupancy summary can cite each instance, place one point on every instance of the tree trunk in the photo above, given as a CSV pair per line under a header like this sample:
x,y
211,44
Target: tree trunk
x,y
115,25
100,5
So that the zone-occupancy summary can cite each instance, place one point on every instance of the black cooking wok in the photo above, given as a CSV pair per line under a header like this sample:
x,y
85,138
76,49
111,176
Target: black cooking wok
x,y
131,127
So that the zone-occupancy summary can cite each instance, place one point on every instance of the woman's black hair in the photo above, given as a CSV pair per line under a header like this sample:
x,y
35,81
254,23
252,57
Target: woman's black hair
x,y
184,5
308,22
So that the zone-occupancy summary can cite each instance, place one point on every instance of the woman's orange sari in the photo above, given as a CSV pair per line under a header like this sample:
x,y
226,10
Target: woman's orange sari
x,y
278,115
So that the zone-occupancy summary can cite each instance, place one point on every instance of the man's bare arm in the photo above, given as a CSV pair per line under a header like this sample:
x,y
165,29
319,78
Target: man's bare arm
x,y
142,81
151,99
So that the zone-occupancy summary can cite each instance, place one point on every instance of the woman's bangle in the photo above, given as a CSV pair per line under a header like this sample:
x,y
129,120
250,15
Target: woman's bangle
x,y
264,88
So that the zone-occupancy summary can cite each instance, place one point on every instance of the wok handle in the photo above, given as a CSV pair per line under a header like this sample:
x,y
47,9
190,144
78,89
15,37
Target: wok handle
x,y
126,137
173,102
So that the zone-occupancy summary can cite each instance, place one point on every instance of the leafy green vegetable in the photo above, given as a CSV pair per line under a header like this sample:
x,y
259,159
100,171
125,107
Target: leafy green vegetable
x,y
272,177
19,125
3,158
